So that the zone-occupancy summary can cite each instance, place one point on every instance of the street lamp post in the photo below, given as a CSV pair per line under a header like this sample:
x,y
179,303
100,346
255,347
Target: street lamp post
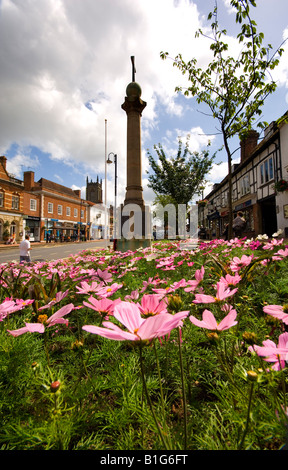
x,y
115,190
105,201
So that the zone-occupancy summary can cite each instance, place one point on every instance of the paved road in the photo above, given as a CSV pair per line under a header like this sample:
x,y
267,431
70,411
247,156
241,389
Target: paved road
x,y
50,251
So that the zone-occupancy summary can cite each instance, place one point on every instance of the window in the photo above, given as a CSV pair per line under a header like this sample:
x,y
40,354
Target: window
x,y
50,207
33,204
12,229
75,212
267,171
244,185
68,211
59,209
15,201
82,213
224,197
1,199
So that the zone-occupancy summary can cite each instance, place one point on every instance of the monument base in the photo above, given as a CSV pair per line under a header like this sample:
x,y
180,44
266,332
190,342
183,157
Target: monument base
x,y
132,245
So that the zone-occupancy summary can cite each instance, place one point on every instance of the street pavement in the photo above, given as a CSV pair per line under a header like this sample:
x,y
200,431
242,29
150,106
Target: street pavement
x,y
49,251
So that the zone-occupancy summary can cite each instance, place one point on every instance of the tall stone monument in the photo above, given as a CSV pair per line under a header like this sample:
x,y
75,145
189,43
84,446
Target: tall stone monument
x,y
134,207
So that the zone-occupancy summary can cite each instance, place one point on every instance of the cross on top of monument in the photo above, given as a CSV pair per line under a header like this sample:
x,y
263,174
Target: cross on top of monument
x,y
133,68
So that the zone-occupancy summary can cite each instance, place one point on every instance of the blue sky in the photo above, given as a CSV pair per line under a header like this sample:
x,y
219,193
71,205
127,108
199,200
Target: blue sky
x,y
65,65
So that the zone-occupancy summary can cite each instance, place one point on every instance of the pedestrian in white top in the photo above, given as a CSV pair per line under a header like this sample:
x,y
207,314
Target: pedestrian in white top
x,y
25,250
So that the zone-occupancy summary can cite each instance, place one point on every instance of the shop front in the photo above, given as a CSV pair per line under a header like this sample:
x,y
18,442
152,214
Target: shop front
x,y
32,227
58,231
249,209
96,231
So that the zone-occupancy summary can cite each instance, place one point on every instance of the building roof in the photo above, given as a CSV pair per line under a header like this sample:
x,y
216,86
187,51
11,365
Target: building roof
x,y
47,184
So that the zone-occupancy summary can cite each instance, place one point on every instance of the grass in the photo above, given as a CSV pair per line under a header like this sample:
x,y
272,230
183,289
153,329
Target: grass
x,y
200,389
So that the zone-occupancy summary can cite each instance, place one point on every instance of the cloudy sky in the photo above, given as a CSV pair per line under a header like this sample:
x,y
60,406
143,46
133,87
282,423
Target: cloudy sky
x,y
65,66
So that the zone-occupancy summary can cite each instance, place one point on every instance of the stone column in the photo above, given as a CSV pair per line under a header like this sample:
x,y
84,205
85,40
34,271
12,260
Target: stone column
x,y
133,106
134,201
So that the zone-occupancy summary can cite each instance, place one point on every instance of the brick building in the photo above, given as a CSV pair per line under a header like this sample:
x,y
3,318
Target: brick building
x,y
41,208
52,210
11,204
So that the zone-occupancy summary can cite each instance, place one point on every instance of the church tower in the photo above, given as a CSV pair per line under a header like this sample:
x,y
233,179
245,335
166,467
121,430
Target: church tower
x,y
94,191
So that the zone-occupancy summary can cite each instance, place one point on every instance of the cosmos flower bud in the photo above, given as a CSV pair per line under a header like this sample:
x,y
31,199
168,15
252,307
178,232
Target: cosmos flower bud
x,y
252,375
213,337
174,303
34,365
55,386
77,345
249,337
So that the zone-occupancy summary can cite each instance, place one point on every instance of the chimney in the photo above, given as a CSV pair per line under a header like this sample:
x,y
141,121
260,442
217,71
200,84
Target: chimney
x,y
28,180
3,161
248,144
77,192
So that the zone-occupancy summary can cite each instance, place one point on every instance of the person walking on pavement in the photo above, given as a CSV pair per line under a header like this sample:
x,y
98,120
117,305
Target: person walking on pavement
x,y
239,224
25,250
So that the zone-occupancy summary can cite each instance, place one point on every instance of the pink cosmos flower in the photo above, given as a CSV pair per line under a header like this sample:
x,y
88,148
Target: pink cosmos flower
x,y
272,353
107,291
59,296
152,304
104,275
208,321
133,296
28,328
177,284
85,288
90,272
282,252
222,293
164,291
7,307
238,263
146,284
271,244
103,305
229,280
193,284
137,328
56,318
277,311
164,263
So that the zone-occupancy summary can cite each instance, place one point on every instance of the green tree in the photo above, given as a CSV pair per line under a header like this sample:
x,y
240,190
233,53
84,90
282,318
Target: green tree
x,y
179,177
234,89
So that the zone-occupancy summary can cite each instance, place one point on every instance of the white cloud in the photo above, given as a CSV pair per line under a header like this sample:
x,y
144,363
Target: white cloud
x,y
58,55
21,162
65,65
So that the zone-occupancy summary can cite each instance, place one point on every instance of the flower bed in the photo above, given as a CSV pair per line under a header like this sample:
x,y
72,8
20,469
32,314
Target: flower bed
x,y
169,348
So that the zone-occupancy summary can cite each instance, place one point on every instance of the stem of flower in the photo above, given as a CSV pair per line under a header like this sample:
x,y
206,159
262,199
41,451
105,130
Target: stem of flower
x,y
248,416
46,348
183,389
149,400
